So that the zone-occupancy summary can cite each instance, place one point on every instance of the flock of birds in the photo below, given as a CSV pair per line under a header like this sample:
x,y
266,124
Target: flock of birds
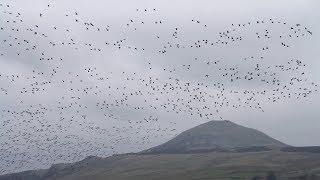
x,y
130,89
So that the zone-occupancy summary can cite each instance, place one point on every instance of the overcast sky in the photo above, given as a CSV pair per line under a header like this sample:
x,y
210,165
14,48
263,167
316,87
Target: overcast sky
x,y
61,64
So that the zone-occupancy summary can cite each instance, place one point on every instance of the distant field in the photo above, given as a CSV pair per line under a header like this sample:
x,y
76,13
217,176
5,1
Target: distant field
x,y
218,166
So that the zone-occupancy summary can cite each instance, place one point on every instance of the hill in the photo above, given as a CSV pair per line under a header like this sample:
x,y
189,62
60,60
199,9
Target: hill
x,y
217,150
213,166
217,136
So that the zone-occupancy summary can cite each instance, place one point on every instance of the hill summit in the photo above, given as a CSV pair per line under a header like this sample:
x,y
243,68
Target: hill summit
x,y
217,136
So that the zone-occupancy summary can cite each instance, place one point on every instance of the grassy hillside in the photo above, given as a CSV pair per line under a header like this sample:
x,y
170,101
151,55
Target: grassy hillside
x,y
214,165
